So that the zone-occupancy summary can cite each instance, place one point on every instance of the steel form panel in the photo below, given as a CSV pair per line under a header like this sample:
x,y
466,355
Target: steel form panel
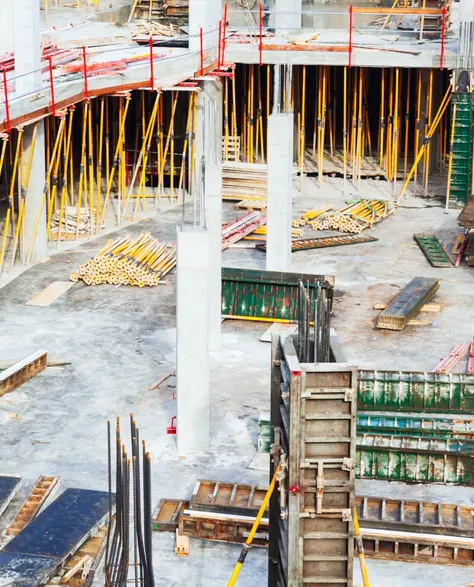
x,y
405,391
414,424
313,412
415,459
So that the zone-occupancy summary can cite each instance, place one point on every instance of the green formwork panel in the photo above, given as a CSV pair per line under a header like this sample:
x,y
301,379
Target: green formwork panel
x,y
268,295
414,425
461,179
405,391
415,460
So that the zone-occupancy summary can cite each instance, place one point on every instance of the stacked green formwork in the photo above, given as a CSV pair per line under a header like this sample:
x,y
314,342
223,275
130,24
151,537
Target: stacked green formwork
x,y
461,179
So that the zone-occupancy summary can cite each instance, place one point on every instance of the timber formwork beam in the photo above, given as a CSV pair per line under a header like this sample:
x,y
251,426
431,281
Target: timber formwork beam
x,y
22,371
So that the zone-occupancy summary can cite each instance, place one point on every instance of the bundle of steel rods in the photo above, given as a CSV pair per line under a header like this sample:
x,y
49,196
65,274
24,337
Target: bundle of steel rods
x,y
132,496
313,346
129,261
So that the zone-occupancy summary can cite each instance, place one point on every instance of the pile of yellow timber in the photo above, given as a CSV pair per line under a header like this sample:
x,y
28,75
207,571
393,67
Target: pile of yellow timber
x,y
245,181
355,217
309,216
260,234
140,261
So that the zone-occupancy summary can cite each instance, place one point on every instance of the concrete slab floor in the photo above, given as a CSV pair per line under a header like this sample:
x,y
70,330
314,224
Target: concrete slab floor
x,y
120,340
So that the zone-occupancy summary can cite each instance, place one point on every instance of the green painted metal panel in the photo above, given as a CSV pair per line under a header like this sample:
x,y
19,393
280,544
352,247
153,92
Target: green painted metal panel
x,y
413,424
433,250
415,460
268,295
406,391
462,148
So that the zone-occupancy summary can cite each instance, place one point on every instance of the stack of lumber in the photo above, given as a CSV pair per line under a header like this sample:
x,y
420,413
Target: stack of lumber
x,y
355,217
69,225
153,28
140,261
241,181
466,218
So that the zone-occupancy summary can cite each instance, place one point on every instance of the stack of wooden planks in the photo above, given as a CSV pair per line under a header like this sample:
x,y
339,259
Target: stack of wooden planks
x,y
72,223
241,181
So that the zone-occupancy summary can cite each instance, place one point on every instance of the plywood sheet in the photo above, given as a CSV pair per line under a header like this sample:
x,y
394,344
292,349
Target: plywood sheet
x,y
279,329
50,294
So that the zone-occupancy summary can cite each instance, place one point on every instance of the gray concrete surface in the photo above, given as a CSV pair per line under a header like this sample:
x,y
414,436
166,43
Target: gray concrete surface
x,y
120,340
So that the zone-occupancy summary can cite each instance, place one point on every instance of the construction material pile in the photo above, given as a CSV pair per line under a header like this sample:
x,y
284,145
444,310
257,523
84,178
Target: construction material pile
x,y
310,216
140,261
355,217
156,28
241,227
71,224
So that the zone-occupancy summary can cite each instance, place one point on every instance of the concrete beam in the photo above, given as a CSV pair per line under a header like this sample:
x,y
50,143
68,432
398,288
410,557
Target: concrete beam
x,y
192,341
279,191
34,193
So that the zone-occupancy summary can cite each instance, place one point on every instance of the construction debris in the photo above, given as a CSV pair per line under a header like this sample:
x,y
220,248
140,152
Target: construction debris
x,y
408,303
129,261
70,227
326,241
355,217
241,227
448,363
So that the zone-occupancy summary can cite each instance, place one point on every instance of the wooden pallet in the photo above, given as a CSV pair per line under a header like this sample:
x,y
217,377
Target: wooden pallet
x,y
231,148
38,498
251,205
22,371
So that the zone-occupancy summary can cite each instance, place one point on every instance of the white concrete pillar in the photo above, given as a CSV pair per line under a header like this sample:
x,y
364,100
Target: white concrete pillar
x,y
204,14
279,191
192,336
6,26
213,203
288,15
27,45
466,10
34,194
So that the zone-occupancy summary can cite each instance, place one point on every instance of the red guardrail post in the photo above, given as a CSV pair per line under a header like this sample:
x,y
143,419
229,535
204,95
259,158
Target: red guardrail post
x,y
443,33
201,50
152,76
261,32
219,42
51,83
350,35
84,66
7,105
224,32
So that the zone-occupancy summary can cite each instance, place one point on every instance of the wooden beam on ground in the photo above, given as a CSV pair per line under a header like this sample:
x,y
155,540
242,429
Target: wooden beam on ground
x,y
22,371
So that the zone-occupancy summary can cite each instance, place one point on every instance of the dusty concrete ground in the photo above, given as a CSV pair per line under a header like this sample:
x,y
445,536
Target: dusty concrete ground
x,y
120,340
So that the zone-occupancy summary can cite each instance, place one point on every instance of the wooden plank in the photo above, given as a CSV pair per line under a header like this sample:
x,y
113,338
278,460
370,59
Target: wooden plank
x,y
279,329
22,371
50,294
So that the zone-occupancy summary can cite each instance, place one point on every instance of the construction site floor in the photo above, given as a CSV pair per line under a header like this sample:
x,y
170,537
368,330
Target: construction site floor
x,y
121,339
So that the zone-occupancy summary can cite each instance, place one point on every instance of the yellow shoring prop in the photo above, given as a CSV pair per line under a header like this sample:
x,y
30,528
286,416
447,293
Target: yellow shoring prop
x,y
344,131
226,120
382,120
82,172
63,200
426,166
52,199
407,125
254,529
193,145
388,147
192,97
395,130
91,171
360,550
4,239
99,164
17,232
116,161
165,152
434,125
16,163
303,131
323,126
359,127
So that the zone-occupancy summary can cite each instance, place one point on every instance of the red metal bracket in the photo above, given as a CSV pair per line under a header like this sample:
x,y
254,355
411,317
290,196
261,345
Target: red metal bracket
x,y
172,428
7,105
224,32
51,83
84,66
152,78
294,489
470,363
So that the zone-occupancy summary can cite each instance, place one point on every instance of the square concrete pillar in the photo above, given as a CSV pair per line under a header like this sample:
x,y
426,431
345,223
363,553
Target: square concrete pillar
x,y
288,15
213,204
192,341
35,207
27,45
204,14
279,191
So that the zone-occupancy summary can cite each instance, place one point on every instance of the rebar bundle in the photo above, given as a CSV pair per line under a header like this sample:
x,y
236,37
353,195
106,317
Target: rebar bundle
x,y
133,513
129,261
355,217
313,345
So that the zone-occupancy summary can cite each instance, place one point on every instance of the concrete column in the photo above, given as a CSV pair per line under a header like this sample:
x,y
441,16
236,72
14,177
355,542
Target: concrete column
x,y
204,14
279,191
213,202
34,193
27,45
466,10
291,20
6,26
192,328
